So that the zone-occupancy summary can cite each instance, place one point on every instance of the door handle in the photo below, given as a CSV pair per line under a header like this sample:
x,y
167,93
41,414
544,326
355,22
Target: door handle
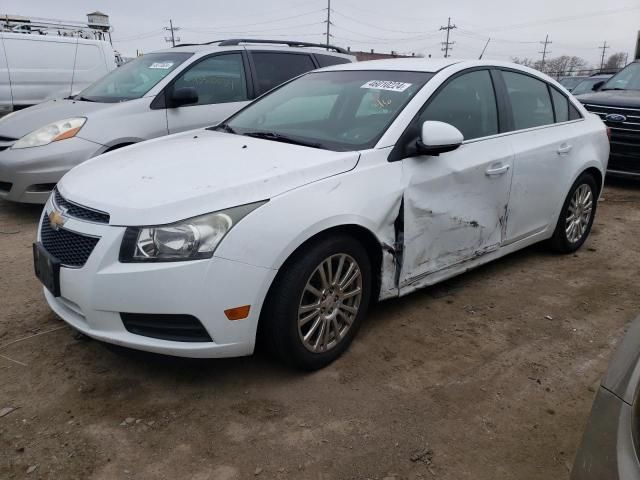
x,y
494,171
564,149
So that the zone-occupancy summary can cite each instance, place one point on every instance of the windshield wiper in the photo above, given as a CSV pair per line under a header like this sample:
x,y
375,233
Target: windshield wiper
x,y
83,99
276,137
615,88
222,126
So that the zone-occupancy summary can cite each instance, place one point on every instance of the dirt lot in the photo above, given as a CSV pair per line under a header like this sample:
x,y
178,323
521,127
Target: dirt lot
x,y
488,376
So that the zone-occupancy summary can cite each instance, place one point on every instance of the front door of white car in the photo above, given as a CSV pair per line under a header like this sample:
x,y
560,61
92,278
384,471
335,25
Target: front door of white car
x,y
455,204
221,84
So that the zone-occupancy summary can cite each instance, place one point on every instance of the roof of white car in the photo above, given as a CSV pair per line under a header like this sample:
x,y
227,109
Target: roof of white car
x,y
417,64
214,47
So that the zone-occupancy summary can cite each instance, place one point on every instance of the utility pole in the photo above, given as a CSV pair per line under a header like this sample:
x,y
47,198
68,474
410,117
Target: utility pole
x,y
328,21
544,51
447,45
172,29
604,49
484,49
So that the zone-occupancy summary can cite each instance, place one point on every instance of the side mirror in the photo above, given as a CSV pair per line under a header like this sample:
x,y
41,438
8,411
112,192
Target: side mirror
x,y
437,138
596,86
184,96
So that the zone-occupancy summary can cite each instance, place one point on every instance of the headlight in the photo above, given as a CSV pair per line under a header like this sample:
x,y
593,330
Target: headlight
x,y
190,239
51,133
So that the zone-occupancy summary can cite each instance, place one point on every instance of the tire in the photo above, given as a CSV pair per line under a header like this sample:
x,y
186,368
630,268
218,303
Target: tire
x,y
583,196
297,295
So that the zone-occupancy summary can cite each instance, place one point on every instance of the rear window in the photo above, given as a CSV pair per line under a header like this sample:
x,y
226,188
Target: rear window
x,y
328,60
274,68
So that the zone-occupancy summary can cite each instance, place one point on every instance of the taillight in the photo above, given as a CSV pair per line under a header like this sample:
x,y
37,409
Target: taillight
x,y
609,133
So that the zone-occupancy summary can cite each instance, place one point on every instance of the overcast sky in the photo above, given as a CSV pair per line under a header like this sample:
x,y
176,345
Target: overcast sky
x,y
515,27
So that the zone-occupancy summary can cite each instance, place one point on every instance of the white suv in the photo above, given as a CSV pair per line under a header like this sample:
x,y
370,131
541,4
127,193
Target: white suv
x,y
160,93
357,182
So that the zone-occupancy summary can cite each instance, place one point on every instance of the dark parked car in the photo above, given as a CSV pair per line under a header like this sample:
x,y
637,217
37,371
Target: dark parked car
x,y
609,449
591,84
618,104
571,82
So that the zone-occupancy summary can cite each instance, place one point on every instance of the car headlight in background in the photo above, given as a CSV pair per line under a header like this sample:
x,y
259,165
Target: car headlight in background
x,y
51,133
190,239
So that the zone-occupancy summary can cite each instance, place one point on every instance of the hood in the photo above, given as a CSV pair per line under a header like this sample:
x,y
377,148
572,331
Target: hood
x,y
181,176
612,98
22,122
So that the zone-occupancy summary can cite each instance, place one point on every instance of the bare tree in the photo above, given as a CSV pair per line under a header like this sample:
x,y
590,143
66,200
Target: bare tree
x,y
565,64
558,66
615,60
527,62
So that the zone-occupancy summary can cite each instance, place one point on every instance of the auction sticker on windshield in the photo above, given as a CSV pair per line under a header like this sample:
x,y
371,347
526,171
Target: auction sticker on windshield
x,y
386,85
161,66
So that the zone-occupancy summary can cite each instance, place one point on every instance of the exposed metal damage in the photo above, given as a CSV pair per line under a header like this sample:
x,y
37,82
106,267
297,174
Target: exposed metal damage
x,y
411,258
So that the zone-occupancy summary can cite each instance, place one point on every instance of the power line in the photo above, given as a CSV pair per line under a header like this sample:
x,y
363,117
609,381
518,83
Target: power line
x,y
604,49
567,18
242,25
371,25
447,44
141,36
379,39
216,31
172,29
544,51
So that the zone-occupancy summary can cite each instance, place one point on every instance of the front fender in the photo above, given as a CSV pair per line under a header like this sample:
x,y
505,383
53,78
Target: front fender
x,y
368,197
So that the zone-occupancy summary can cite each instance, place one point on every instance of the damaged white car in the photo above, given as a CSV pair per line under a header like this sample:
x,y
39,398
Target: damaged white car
x,y
346,185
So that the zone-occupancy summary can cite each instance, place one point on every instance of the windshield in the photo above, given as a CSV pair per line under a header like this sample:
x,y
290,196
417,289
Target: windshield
x,y
134,79
570,82
336,110
586,86
626,79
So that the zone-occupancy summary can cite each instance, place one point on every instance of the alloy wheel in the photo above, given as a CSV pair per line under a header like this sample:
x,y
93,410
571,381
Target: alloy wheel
x,y
329,303
579,213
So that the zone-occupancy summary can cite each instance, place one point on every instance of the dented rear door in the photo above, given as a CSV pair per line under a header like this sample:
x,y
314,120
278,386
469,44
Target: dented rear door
x,y
455,206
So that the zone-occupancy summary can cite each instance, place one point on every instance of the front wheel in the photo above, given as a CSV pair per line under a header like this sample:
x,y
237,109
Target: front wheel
x,y
318,302
577,215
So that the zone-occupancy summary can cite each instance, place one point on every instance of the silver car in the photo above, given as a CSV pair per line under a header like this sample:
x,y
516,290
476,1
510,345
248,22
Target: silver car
x,y
610,445
161,93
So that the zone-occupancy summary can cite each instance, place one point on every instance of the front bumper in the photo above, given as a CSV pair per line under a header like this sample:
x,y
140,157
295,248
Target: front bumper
x,y
25,172
608,450
93,296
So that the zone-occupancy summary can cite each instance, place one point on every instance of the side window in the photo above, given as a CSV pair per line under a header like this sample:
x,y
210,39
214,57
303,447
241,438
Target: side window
x,y
560,105
328,60
217,79
574,114
274,68
468,103
530,100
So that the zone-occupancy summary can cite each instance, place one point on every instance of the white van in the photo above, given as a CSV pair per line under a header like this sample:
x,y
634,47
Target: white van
x,y
34,68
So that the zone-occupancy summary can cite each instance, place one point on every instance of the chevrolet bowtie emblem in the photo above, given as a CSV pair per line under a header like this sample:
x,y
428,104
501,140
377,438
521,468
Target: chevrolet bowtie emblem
x,y
56,220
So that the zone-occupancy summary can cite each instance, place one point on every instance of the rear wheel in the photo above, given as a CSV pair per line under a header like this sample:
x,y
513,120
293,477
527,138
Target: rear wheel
x,y
577,215
318,302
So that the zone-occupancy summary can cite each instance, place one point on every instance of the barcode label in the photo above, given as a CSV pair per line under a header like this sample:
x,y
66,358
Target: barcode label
x,y
386,85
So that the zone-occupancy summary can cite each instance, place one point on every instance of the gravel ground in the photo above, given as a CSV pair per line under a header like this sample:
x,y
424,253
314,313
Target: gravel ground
x,y
488,376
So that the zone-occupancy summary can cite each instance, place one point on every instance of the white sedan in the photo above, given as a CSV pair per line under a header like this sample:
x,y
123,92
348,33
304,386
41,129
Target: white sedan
x,y
346,185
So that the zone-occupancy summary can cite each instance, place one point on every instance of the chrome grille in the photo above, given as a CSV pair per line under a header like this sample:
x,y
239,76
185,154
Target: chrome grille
x,y
627,131
78,211
72,249
625,137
